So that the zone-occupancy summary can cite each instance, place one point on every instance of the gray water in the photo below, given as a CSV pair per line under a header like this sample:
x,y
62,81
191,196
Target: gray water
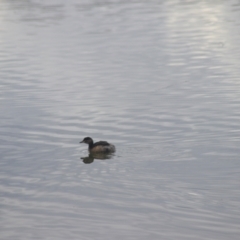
x,y
159,79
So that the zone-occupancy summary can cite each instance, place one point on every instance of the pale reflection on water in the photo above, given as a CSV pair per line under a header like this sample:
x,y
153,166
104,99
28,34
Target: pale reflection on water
x,y
160,80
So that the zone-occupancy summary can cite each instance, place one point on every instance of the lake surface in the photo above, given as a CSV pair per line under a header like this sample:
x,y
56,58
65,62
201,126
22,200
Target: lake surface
x,y
159,79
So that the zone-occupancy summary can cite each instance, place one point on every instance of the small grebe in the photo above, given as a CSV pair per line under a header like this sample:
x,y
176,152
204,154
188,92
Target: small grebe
x,y
98,147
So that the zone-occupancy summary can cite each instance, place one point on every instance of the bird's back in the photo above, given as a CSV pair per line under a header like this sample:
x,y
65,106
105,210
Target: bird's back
x,y
102,146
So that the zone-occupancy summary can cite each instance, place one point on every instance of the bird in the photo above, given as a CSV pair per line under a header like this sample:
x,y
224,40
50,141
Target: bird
x,y
98,147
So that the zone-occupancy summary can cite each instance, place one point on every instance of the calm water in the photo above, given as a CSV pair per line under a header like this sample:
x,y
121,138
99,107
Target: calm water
x,y
159,79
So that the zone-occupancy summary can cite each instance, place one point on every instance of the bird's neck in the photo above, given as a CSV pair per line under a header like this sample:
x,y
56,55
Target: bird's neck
x,y
90,145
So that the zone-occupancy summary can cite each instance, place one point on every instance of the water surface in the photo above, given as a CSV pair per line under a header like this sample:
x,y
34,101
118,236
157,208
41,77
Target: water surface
x,y
160,80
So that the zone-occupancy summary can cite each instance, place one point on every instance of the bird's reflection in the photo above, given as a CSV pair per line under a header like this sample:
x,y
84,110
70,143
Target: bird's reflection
x,y
99,156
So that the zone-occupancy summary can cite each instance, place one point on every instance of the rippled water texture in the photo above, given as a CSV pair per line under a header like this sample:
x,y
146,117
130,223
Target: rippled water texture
x,y
159,79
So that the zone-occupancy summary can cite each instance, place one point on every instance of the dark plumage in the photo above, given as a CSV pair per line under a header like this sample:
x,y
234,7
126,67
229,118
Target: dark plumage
x,y
98,147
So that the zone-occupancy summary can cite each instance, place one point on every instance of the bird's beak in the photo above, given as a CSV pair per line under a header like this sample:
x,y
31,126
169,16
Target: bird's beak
x,y
81,141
